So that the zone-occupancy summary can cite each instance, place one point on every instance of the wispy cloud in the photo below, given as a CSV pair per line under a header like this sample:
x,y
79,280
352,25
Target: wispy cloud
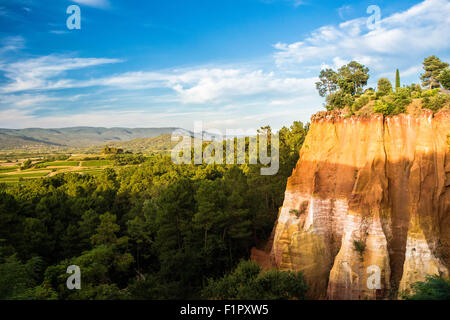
x,y
418,30
196,85
210,85
42,73
12,44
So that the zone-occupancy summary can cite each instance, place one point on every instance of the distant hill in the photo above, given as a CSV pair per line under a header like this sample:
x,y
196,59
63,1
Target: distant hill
x,y
76,137
159,144
22,142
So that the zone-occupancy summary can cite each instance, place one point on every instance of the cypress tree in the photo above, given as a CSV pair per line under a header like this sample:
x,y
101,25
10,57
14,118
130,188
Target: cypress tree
x,y
397,79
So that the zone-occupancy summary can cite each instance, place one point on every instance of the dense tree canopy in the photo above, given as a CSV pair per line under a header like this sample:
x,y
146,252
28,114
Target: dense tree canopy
x,y
150,231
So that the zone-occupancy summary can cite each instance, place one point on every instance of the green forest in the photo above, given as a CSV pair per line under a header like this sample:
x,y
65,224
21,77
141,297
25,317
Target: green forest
x,y
150,231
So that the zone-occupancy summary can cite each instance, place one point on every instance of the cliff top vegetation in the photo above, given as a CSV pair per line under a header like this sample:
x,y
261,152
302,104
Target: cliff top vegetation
x,y
344,89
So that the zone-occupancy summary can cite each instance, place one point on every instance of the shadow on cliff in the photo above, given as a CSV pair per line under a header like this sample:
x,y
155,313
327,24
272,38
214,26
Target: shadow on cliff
x,y
409,195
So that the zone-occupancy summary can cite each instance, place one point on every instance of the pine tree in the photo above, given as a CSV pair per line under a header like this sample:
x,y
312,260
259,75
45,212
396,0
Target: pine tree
x,y
433,66
397,80
327,84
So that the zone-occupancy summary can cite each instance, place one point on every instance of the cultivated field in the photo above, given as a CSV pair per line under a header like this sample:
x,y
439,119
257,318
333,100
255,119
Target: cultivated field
x,y
16,171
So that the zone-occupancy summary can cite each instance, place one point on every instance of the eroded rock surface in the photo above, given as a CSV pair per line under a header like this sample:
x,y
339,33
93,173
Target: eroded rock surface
x,y
369,198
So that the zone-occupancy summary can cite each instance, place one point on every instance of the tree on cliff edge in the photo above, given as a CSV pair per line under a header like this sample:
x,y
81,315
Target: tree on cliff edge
x,y
349,80
327,84
352,77
433,67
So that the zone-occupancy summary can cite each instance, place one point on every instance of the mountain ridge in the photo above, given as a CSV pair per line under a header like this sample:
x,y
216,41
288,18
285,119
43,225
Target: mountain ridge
x,y
75,137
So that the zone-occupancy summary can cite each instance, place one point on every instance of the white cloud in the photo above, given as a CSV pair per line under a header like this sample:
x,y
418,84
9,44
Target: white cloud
x,y
40,73
216,85
198,86
212,85
423,28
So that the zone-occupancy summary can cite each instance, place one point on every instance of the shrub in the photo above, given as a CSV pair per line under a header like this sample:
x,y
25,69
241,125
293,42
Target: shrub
x,y
360,102
365,111
383,107
430,93
359,246
339,100
433,288
247,282
436,102
416,91
40,165
394,103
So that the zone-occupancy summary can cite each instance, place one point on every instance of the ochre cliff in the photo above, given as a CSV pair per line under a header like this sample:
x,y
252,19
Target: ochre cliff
x,y
367,195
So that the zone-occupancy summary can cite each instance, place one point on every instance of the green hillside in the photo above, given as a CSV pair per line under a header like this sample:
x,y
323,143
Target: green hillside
x,y
155,145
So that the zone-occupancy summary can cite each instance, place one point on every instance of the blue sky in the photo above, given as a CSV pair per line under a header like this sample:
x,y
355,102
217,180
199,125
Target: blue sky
x,y
231,64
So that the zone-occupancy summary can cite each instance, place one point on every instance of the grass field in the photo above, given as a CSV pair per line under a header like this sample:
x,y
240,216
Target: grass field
x,y
96,163
21,178
13,175
24,175
62,164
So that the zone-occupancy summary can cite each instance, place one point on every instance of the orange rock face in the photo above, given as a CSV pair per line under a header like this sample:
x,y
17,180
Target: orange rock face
x,y
367,208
